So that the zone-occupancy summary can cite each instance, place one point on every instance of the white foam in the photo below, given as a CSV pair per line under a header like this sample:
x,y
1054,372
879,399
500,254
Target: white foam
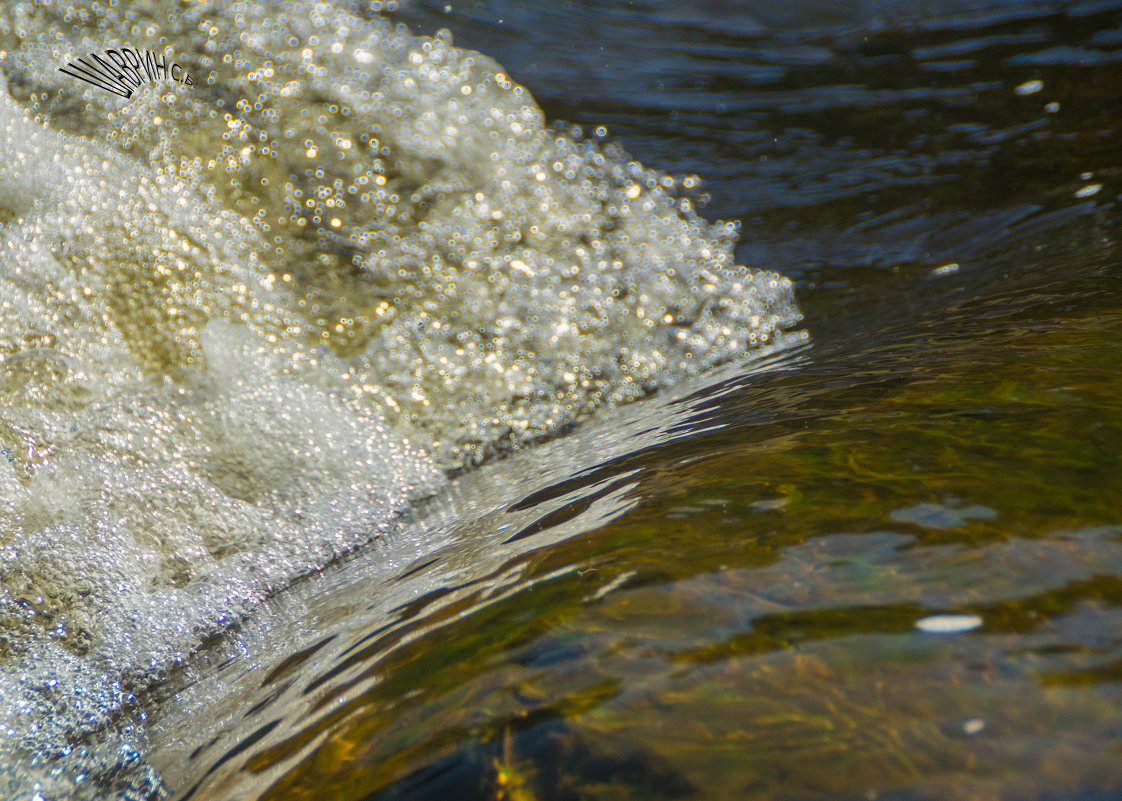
x,y
176,456
949,624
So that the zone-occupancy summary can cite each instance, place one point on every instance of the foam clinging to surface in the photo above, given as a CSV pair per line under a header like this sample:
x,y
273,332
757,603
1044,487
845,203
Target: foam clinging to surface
x,y
178,450
495,278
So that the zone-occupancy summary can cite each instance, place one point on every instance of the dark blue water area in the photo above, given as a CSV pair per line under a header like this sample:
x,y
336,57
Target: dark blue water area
x,y
849,140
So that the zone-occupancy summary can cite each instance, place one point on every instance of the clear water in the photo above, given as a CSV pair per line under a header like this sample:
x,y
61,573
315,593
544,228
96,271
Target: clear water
x,y
726,590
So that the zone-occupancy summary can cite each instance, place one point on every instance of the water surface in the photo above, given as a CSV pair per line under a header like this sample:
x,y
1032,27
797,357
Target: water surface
x,y
722,591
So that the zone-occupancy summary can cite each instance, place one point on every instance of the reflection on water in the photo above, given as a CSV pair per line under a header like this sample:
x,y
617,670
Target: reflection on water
x,y
731,611
715,594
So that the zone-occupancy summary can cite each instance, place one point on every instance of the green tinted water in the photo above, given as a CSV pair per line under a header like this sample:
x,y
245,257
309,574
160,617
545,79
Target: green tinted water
x,y
748,630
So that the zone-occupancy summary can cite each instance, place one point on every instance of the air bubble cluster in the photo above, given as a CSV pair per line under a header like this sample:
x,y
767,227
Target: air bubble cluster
x,y
490,278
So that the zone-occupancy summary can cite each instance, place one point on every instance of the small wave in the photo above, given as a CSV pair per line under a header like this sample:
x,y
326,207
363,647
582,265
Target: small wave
x,y
247,323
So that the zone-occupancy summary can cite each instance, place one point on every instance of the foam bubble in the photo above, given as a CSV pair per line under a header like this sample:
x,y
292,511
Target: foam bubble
x,y
948,624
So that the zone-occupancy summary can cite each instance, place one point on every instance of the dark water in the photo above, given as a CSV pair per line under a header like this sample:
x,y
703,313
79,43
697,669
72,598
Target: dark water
x,y
715,594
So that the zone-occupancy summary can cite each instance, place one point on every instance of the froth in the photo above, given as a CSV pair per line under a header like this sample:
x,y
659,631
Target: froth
x,y
496,278
178,450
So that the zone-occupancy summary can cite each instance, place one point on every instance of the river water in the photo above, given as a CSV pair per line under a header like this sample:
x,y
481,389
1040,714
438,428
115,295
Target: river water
x,y
368,436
